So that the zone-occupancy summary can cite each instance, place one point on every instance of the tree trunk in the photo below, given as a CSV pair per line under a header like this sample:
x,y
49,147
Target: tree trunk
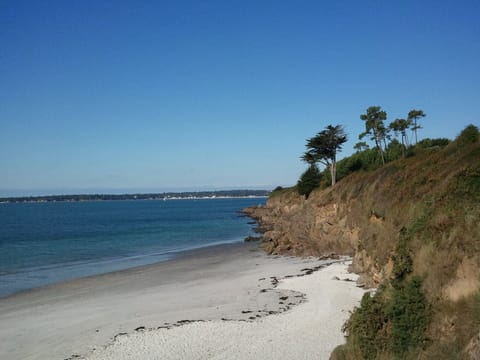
x,y
379,146
415,127
333,172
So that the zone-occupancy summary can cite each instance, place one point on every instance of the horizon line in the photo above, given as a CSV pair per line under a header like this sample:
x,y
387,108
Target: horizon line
x,y
178,192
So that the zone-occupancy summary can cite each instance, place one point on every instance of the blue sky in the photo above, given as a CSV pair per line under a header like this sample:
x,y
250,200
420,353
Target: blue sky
x,y
126,96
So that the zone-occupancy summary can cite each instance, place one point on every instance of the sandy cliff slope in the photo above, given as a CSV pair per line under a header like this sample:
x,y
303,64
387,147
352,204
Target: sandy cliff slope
x,y
427,206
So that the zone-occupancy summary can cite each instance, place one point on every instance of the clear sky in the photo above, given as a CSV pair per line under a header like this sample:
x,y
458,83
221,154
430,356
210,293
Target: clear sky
x,y
123,96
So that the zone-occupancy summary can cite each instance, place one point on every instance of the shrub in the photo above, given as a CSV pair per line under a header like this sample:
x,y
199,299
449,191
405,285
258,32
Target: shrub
x,y
388,324
394,150
309,180
469,135
394,321
402,260
429,143
467,185
367,327
409,314
361,160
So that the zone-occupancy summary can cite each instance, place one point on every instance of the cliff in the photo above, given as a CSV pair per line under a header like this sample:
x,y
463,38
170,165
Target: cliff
x,y
420,215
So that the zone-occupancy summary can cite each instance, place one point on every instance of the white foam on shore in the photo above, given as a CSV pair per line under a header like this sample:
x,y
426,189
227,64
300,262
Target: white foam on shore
x,y
310,330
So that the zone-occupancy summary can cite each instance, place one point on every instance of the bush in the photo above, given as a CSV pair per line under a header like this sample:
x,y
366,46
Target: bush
x,y
361,160
410,316
469,135
402,260
429,143
367,327
393,322
309,181
395,150
467,185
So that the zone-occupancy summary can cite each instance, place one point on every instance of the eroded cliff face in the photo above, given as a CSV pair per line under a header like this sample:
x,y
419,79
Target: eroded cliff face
x,y
413,226
364,214
293,225
321,225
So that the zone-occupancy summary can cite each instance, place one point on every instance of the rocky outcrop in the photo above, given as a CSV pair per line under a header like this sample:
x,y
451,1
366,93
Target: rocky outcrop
x,y
295,226
318,226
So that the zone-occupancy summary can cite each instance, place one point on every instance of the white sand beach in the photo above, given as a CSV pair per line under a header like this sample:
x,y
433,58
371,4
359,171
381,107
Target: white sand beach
x,y
226,302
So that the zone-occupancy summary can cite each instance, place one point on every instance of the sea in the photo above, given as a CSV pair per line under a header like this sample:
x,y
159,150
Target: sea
x,y
50,242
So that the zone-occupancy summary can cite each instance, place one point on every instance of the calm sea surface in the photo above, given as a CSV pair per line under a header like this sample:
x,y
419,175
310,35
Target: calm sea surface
x,y
44,243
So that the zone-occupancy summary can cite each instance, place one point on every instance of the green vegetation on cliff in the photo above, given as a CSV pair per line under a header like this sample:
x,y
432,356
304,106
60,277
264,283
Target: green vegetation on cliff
x,y
309,180
413,228
428,305
323,147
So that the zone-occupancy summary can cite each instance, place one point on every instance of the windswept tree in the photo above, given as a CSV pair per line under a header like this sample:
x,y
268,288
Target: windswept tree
x,y
413,116
361,146
309,157
375,127
323,148
400,126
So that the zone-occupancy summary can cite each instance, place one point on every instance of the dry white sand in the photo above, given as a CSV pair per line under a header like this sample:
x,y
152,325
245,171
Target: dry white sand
x,y
298,318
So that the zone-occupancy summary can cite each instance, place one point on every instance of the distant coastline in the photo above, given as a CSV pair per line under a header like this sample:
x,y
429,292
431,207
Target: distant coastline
x,y
193,195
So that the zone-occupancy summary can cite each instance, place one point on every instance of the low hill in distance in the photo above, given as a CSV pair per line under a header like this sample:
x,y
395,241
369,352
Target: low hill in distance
x,y
150,196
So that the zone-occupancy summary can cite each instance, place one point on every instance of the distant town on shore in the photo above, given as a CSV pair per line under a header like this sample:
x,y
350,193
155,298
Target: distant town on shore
x,y
150,196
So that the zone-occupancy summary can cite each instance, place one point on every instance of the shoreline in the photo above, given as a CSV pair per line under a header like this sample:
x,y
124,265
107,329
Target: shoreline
x,y
233,282
170,255
104,247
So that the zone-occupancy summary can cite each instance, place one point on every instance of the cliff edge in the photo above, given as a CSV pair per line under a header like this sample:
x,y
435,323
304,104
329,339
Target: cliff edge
x,y
415,217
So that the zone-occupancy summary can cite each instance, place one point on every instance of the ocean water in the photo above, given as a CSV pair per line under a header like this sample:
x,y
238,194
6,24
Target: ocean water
x,y
45,243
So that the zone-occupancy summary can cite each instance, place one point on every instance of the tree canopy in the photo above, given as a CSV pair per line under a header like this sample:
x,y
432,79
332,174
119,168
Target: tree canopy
x,y
324,147
388,142
400,126
375,127
413,116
